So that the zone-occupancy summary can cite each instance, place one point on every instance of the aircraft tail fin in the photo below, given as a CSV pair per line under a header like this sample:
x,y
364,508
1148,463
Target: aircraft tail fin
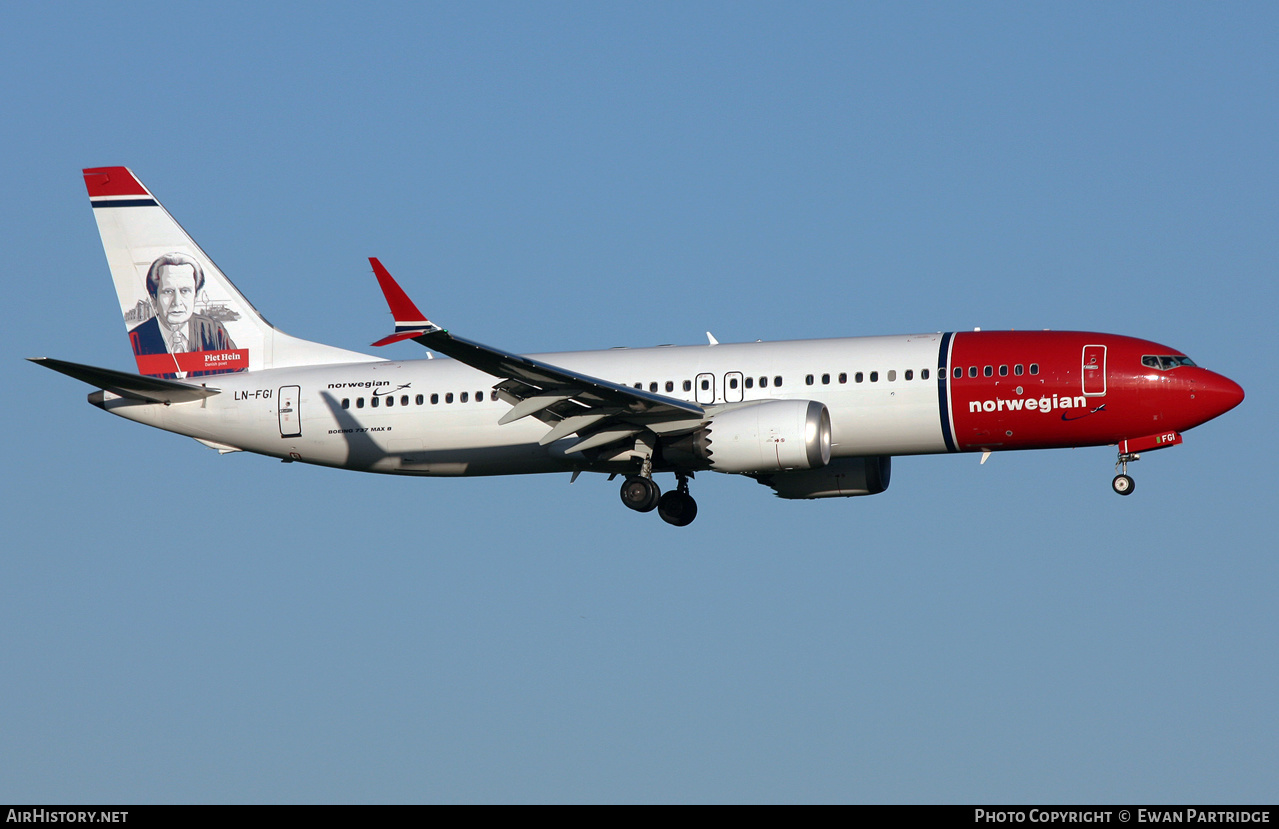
x,y
184,317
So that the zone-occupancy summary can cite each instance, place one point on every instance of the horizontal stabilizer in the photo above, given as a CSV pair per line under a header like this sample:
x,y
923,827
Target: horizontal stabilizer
x,y
133,386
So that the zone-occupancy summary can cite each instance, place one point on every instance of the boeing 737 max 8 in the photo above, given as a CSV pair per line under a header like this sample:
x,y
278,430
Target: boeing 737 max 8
x,y
808,418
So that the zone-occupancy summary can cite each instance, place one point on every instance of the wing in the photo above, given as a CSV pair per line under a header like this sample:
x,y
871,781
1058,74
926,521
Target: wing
x,y
599,412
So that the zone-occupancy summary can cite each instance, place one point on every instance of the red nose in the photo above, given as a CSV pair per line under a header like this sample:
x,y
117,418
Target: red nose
x,y
1215,395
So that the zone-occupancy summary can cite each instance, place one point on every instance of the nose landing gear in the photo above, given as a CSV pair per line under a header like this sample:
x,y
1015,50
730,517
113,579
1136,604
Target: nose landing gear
x,y
1123,482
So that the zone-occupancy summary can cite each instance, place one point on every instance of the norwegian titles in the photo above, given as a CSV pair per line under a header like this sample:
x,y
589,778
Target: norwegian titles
x,y
1017,404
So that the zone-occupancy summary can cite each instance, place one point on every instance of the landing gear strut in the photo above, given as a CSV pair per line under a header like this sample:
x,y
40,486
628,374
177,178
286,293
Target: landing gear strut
x,y
1123,483
677,507
639,493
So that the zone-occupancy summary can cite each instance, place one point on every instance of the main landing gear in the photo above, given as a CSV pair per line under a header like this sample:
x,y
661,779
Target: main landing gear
x,y
641,493
1123,482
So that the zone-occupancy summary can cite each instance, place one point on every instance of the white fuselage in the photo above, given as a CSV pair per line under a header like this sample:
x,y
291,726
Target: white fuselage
x,y
443,416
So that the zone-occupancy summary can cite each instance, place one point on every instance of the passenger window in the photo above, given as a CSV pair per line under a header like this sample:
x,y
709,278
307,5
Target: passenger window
x,y
732,382
464,398
892,374
843,377
874,376
359,402
1003,371
706,384
972,371
777,381
808,381
750,382
670,386
419,400
1019,369
375,401
688,385
989,371
858,377
652,387
390,401
435,398
448,397
825,379
910,375
1034,368
763,382
923,375
346,402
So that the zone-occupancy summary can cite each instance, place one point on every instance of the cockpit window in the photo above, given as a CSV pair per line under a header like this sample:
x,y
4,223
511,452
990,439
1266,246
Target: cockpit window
x,y
1164,362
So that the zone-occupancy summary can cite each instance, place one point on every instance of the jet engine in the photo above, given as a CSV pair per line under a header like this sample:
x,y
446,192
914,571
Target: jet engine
x,y
769,436
841,478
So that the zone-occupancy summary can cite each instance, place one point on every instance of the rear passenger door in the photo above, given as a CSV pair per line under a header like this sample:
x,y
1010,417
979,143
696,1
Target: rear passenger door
x,y
290,417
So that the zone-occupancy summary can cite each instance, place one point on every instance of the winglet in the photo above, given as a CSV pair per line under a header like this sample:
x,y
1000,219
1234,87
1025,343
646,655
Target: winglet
x,y
409,321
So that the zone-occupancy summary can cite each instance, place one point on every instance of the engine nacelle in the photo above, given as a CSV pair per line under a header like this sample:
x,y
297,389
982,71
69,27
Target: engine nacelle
x,y
771,436
841,478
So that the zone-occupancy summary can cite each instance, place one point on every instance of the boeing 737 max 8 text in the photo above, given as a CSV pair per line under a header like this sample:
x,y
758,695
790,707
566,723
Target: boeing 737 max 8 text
x,y
808,418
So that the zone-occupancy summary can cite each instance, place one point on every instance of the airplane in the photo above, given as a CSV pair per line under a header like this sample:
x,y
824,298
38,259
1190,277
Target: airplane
x,y
818,418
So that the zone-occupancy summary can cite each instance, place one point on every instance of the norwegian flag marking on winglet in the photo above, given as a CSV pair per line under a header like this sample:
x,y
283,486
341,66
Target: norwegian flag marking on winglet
x,y
409,321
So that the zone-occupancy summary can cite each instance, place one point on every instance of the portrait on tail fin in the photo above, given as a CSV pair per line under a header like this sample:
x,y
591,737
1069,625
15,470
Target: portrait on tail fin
x,y
177,342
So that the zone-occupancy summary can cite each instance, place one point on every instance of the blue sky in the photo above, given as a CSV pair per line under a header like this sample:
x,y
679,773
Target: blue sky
x,y
177,626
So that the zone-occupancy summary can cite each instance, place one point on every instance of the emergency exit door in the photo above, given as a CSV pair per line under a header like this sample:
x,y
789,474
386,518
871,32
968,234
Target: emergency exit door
x,y
705,389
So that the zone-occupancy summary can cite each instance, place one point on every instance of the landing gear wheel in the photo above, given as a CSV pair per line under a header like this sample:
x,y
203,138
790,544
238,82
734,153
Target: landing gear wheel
x,y
640,494
1123,484
677,508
